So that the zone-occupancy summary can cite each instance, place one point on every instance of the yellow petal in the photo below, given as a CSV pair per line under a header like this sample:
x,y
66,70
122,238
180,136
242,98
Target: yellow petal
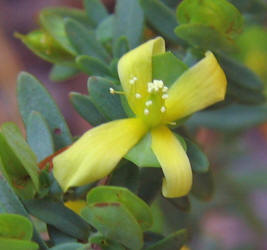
x,y
174,162
76,206
138,63
97,152
200,86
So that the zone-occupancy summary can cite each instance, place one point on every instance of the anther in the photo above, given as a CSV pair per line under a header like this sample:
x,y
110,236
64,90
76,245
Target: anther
x,y
162,109
138,96
165,89
165,96
172,123
146,111
111,91
148,103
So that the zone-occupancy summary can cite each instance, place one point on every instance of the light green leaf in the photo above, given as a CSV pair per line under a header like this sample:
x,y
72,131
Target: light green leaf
x,y
115,222
39,136
133,203
104,30
61,73
18,244
32,96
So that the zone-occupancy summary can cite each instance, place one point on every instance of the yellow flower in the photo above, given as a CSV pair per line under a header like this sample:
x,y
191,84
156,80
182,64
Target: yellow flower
x,y
100,149
76,206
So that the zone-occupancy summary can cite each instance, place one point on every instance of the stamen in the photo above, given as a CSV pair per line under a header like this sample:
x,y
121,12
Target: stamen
x,y
133,80
148,103
138,96
146,111
165,89
172,123
165,96
112,91
162,109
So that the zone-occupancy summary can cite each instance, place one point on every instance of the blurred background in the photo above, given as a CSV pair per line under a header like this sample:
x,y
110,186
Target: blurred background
x,y
236,217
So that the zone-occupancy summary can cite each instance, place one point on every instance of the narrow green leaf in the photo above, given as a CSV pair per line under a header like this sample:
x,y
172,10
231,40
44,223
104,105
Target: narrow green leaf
x,y
134,204
17,244
58,237
70,246
239,73
59,216
39,136
115,222
120,47
9,203
109,105
95,11
84,40
235,117
161,18
128,22
182,203
167,67
93,66
85,107
173,241
61,73
198,160
104,29
203,186
15,226
32,96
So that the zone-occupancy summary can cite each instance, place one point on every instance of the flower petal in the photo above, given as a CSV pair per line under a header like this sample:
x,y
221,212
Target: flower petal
x,y
97,152
174,162
200,86
138,63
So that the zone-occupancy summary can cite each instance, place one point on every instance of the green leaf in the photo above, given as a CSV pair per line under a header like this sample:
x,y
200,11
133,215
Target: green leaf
x,y
109,105
104,243
9,203
17,244
93,66
45,46
115,222
84,106
182,203
219,14
58,237
203,186
52,19
32,96
39,136
239,74
235,117
70,246
203,36
173,241
84,40
61,73
142,155
198,160
128,22
15,226
167,67
134,204
161,18
104,30
121,47
95,11
59,216
19,164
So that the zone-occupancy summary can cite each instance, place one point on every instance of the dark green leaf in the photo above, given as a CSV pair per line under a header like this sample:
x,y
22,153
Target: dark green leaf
x,y
9,203
61,73
32,96
239,73
167,67
104,29
59,216
95,11
86,109
173,241
182,203
93,66
39,136
128,22
198,160
151,238
138,208
161,18
235,118
84,40
58,237
203,186
105,244
115,222
120,47
70,246
109,105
